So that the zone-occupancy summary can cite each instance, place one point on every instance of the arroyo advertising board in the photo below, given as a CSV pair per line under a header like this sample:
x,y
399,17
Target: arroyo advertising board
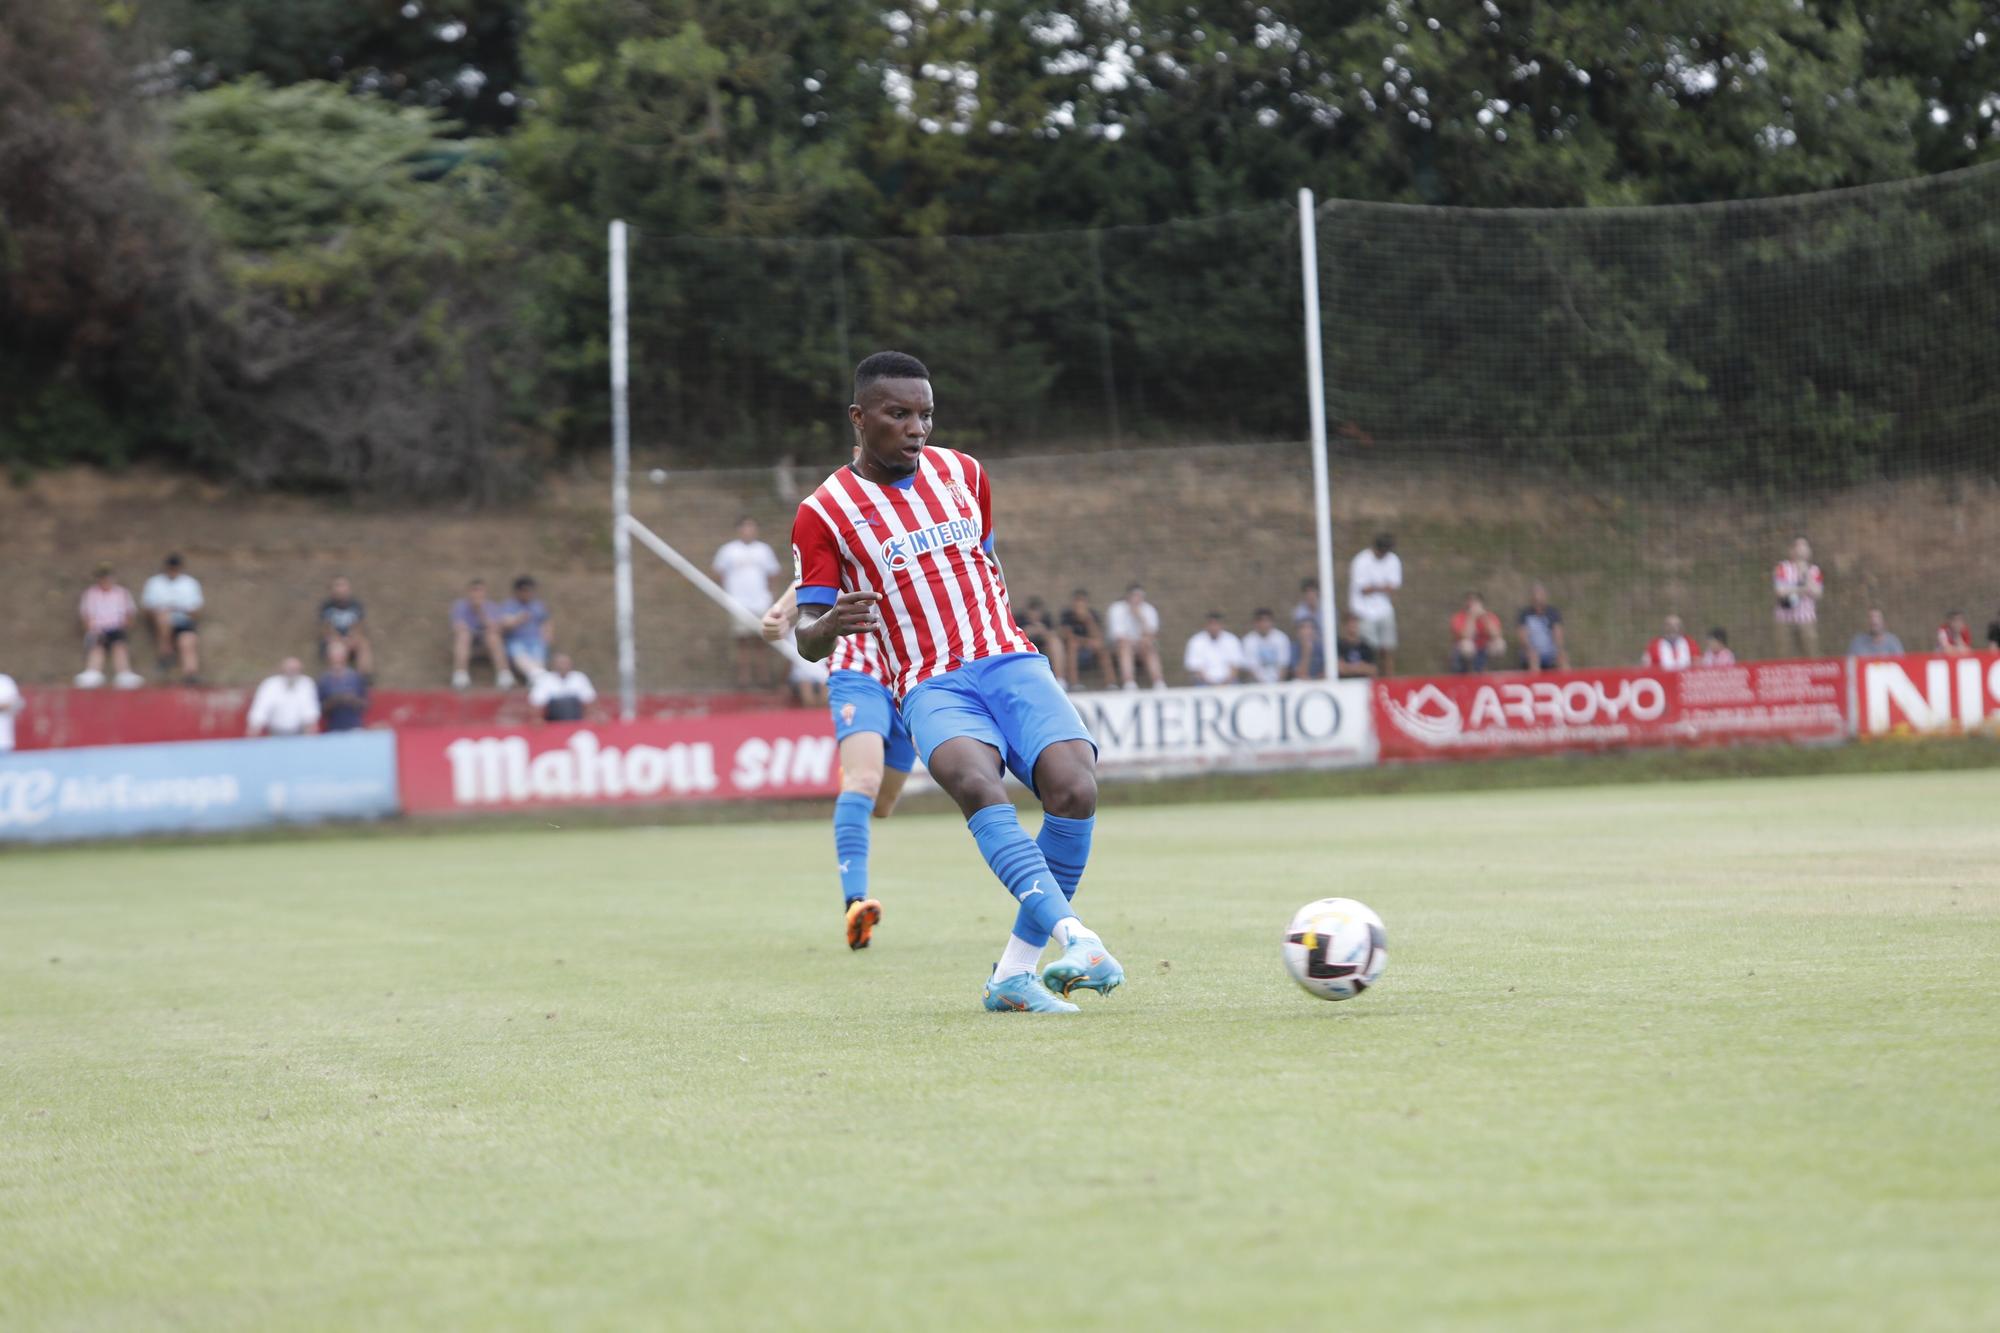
x,y
116,791
1463,717
1296,724
776,754
1927,693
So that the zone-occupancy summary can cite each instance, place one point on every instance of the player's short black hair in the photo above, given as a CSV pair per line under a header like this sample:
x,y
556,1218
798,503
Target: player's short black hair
x,y
887,366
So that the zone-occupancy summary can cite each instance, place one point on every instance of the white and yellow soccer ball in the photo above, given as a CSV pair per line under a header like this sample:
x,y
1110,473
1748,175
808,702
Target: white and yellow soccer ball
x,y
1335,948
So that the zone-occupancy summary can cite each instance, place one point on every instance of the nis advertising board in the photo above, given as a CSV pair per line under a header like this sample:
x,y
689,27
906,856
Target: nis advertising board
x,y
1463,717
1927,693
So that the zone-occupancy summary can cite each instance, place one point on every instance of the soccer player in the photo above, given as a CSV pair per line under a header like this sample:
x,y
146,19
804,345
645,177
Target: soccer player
x,y
899,545
875,756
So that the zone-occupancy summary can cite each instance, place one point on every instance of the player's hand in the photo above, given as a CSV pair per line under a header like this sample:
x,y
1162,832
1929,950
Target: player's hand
x,y
855,613
772,626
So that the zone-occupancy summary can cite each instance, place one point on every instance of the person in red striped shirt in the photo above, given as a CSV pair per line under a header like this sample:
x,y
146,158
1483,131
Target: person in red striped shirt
x,y
1955,635
898,545
1798,585
1672,651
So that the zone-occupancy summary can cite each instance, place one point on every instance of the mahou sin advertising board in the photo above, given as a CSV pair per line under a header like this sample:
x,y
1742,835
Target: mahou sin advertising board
x,y
777,754
1464,717
1927,693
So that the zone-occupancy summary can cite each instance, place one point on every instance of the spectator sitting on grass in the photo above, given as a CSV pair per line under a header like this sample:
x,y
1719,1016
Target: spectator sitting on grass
x,y
562,692
1672,651
1083,636
1214,656
286,704
1476,636
10,705
1716,652
1308,604
343,693
1309,657
1266,651
1955,635
527,629
106,611
1040,628
1876,640
341,621
475,624
1541,626
1133,627
172,601
1354,655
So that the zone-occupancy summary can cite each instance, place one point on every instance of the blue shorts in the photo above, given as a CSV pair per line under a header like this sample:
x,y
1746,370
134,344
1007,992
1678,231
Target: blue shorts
x,y
1011,702
859,702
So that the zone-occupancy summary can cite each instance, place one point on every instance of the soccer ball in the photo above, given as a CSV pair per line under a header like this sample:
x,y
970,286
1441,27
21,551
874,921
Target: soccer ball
x,y
1335,948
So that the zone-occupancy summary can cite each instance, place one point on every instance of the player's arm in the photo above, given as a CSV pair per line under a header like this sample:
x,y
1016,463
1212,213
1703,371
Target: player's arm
x,y
850,613
784,614
824,611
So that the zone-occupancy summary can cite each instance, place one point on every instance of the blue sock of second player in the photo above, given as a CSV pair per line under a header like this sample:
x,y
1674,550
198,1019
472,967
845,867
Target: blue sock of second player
x,y
850,842
1019,863
1065,845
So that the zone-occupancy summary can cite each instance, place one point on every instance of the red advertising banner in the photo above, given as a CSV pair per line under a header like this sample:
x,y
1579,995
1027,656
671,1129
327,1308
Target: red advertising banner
x,y
1921,693
1464,717
783,752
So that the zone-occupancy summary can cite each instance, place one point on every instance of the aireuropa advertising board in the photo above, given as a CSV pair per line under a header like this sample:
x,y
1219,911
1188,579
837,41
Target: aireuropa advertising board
x,y
117,791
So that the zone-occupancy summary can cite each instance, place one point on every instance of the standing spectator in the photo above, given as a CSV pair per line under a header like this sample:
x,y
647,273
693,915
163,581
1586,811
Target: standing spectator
x,y
1876,640
106,611
1477,636
1308,604
475,624
1133,627
1214,656
1267,653
343,692
1955,635
10,704
562,692
1799,585
172,601
1083,636
1040,627
341,621
1309,658
1355,657
1716,652
1541,625
526,629
286,704
1373,577
746,567
1672,651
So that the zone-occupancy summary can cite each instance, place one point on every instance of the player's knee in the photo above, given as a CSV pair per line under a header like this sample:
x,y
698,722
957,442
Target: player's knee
x,y
1070,793
863,783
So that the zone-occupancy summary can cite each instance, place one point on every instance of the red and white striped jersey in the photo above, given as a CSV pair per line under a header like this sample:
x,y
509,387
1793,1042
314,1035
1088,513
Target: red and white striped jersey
x,y
1676,654
925,545
859,652
1798,586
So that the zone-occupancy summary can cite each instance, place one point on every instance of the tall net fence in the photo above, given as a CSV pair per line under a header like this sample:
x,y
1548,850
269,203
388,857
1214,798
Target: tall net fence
x,y
1639,408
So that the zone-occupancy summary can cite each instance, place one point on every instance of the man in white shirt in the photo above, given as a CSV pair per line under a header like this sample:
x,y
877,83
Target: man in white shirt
x,y
562,692
286,704
172,602
10,704
1214,656
1133,628
1267,650
746,567
1373,576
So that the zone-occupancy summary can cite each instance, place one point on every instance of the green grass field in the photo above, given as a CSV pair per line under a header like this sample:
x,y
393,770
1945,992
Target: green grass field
x,y
1720,1055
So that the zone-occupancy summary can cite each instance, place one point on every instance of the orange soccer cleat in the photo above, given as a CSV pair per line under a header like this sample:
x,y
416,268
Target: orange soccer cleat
x,y
862,914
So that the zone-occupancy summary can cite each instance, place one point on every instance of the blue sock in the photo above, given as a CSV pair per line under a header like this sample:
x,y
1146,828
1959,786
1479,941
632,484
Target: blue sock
x,y
850,842
1065,845
1020,866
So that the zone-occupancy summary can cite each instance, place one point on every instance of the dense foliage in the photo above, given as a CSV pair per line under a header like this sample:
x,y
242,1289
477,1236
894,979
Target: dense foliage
x,y
361,245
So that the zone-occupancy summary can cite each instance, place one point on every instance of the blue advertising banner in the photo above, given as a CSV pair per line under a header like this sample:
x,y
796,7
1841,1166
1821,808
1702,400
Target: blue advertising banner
x,y
117,791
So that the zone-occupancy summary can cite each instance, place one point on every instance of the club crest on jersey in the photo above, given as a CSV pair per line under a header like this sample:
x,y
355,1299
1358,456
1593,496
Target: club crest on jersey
x,y
961,497
899,552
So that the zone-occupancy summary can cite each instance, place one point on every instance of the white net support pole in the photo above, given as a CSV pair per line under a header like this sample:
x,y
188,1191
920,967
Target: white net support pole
x,y
1316,405
709,588
621,480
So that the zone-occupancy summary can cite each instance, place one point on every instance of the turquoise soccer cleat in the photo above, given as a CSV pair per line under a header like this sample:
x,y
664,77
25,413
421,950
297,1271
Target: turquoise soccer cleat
x,y
1085,965
1023,993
